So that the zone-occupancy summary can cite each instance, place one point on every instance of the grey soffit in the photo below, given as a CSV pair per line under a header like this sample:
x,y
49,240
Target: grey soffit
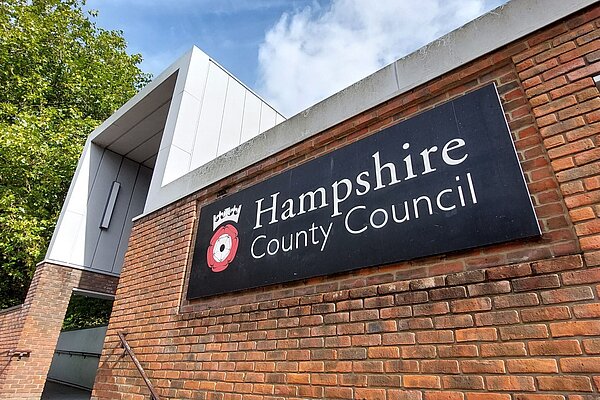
x,y
136,133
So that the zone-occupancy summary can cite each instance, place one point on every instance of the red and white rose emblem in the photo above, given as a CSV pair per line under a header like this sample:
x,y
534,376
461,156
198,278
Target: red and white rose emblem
x,y
223,247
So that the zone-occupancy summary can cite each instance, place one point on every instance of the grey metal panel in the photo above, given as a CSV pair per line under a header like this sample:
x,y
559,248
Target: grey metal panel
x,y
107,173
108,242
146,149
96,154
85,340
137,111
76,369
136,207
109,135
110,205
154,122
83,180
150,162
74,210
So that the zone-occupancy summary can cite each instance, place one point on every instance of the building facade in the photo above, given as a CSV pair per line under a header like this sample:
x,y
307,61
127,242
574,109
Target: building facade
x,y
511,319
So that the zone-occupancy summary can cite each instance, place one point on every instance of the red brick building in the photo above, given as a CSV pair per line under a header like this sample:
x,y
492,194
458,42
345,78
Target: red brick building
x,y
517,320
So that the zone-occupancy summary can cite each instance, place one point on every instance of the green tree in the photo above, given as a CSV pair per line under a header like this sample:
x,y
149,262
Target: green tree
x,y
60,76
86,312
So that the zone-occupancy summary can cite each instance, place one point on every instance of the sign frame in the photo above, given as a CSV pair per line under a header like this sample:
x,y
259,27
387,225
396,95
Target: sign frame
x,y
444,180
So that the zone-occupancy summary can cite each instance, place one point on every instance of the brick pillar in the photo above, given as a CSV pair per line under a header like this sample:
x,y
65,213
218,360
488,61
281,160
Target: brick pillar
x,y
41,317
44,309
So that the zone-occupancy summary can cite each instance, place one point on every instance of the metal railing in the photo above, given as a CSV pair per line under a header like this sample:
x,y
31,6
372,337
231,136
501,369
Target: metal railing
x,y
139,367
71,353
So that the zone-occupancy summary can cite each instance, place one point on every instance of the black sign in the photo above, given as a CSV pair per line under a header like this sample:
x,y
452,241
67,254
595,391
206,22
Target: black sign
x,y
445,180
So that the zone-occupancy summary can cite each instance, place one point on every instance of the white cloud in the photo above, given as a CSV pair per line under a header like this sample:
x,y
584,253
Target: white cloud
x,y
315,52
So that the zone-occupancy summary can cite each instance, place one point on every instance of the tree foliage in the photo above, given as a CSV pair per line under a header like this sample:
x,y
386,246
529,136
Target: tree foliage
x,y
86,312
60,76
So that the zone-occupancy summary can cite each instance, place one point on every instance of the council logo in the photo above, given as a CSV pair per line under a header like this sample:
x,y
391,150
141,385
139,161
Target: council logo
x,y
224,242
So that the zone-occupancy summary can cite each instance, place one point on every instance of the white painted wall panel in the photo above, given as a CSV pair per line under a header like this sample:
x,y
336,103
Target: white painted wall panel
x,y
172,119
197,72
233,113
178,154
211,116
279,119
251,122
225,114
61,248
73,213
84,179
268,117
177,164
185,127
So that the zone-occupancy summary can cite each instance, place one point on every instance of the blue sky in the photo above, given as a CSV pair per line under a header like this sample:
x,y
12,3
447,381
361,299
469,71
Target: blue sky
x,y
230,31
293,53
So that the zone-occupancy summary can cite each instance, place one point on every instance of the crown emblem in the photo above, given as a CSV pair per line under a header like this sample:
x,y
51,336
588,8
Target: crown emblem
x,y
229,214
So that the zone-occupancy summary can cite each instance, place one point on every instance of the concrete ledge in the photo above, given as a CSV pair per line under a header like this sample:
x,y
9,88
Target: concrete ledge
x,y
11,309
57,263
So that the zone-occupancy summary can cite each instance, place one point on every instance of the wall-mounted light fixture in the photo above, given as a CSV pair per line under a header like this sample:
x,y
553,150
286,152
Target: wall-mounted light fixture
x,y
110,205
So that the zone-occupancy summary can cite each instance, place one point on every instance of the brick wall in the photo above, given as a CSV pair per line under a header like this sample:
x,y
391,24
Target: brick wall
x,y
505,322
557,73
36,325
11,322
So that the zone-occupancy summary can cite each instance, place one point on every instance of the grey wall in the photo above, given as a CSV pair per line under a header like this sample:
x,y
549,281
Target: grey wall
x,y
78,239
